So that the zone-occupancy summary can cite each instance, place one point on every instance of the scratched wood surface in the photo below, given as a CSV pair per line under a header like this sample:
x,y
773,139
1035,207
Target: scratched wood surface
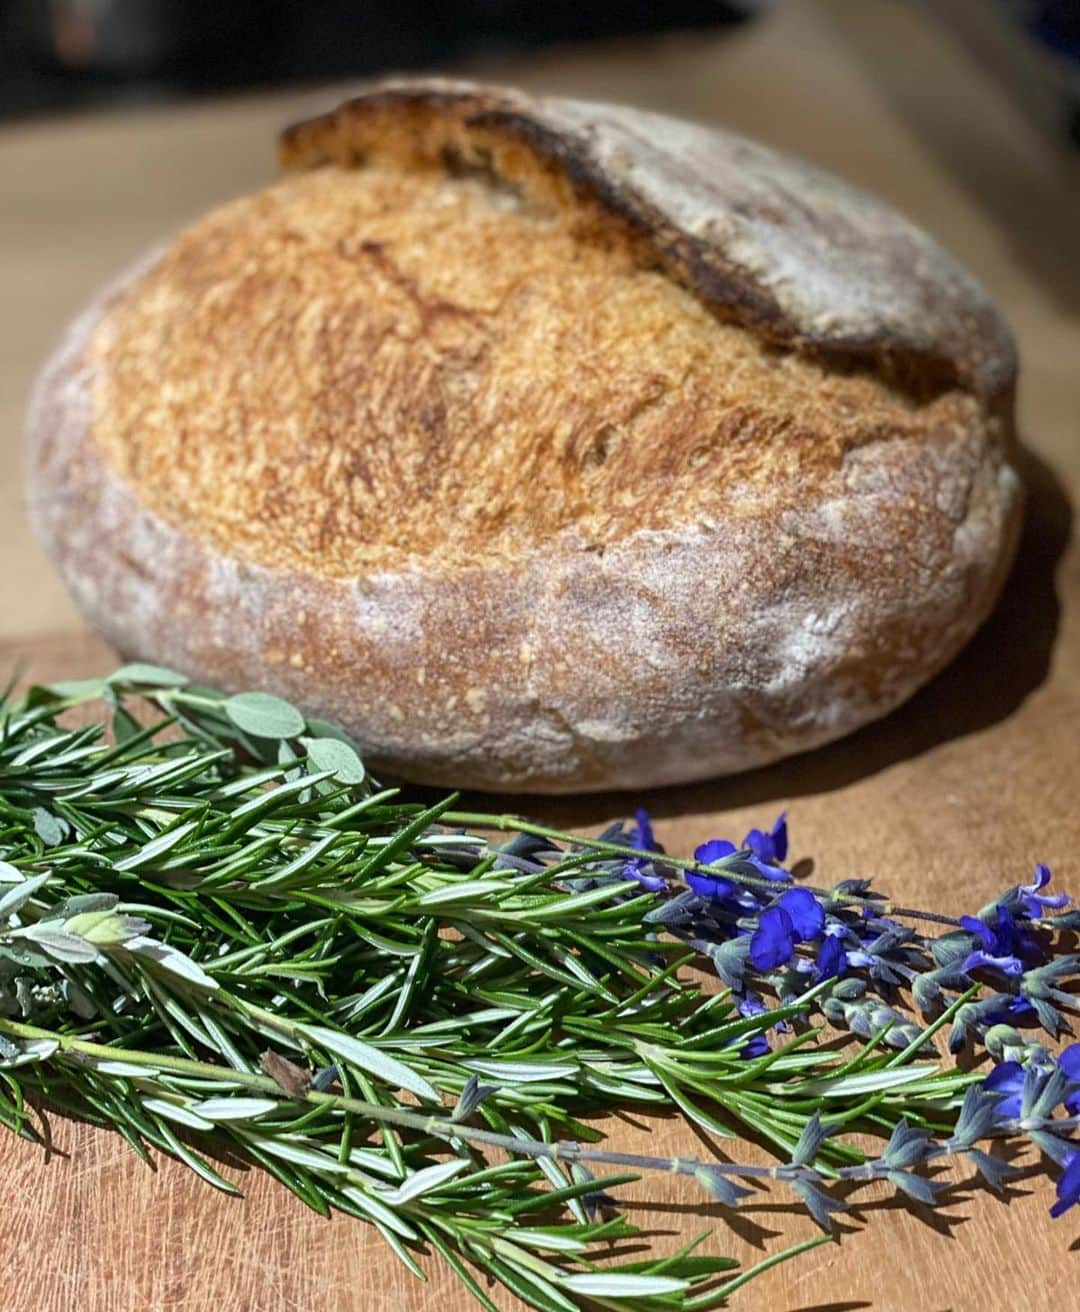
x,y
946,801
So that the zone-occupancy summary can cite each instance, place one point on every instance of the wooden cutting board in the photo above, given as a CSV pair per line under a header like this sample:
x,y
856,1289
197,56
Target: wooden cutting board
x,y
944,803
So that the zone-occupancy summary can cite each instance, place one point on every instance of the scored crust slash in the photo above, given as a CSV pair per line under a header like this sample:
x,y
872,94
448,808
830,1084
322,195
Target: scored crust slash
x,y
546,445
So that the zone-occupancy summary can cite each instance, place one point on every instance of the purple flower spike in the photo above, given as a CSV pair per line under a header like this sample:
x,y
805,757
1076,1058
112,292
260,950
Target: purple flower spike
x,y
773,942
806,912
1005,946
974,925
1068,1187
980,960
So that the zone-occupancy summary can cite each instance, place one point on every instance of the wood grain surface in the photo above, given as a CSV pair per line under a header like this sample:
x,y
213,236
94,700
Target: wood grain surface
x,y
945,802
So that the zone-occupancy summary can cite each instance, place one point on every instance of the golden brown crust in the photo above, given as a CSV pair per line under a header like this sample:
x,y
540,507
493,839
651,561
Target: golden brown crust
x,y
726,552
407,368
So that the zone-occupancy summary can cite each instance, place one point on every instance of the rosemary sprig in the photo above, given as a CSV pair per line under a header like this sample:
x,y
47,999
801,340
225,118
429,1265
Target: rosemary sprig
x,y
220,925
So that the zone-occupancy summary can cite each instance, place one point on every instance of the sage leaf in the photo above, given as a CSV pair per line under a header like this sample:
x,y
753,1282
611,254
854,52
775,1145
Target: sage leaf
x,y
83,903
338,757
156,676
69,689
264,716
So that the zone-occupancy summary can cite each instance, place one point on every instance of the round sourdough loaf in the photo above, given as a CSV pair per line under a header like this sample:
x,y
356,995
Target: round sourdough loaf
x,y
546,445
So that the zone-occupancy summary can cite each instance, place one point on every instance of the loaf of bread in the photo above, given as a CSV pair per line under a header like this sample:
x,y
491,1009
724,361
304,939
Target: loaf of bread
x,y
546,445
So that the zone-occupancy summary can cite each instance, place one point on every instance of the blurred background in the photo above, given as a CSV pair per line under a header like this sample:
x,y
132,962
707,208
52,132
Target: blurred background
x,y
59,54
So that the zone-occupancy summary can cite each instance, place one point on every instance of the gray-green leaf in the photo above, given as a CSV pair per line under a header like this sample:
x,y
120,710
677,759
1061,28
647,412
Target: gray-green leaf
x,y
333,754
153,675
51,830
264,715
16,898
170,959
61,946
76,688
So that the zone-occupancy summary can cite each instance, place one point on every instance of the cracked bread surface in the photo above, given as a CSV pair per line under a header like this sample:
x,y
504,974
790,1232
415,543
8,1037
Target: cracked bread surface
x,y
404,366
452,436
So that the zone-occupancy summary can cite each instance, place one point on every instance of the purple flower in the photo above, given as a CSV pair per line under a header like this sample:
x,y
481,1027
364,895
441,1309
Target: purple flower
x,y
765,851
714,850
758,1046
1007,1080
1068,1186
749,1004
831,957
1013,1010
1033,901
637,868
770,848
641,835
773,942
1005,947
711,886
806,912
1069,1065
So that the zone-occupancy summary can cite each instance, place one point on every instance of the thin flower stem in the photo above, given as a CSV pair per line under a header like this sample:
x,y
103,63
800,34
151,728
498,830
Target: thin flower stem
x,y
517,824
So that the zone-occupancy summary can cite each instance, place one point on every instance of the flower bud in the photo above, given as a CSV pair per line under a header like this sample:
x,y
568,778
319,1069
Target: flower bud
x,y
1004,1043
105,929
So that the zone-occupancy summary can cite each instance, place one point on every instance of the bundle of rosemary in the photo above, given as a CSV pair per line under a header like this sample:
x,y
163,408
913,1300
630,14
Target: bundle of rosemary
x,y
214,923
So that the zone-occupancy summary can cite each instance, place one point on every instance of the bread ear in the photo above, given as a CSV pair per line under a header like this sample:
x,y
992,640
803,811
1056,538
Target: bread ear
x,y
765,240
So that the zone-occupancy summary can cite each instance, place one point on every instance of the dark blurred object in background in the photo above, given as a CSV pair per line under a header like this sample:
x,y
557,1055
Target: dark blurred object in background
x,y
57,54
62,53
1033,49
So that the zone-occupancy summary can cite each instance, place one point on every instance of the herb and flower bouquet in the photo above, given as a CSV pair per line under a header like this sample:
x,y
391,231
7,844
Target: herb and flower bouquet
x,y
215,925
